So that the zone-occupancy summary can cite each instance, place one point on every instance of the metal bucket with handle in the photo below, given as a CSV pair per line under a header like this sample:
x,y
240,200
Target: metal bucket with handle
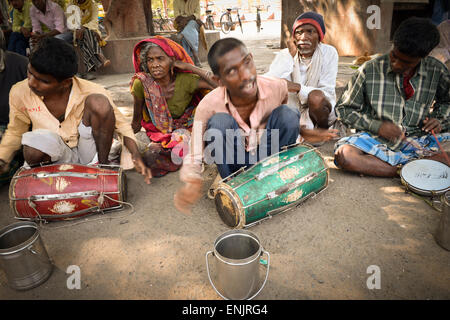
x,y
237,255
23,256
442,235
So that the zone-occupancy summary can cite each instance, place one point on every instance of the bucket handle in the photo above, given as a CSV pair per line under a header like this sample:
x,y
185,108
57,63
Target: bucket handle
x,y
32,250
264,283
39,256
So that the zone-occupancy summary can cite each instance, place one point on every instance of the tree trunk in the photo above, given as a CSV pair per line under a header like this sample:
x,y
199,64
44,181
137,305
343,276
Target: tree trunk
x,y
126,19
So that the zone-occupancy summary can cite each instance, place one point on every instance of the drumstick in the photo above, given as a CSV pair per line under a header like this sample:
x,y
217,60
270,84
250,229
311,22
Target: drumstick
x,y
440,147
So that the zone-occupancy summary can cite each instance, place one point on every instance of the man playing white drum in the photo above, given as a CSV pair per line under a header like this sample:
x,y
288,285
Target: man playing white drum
x,y
245,104
399,103
72,120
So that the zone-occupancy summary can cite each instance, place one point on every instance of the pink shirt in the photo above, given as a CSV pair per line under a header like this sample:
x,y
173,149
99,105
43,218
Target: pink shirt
x,y
53,18
271,94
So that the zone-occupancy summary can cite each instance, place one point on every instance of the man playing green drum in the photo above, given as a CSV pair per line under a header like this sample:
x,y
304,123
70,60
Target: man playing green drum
x,y
251,106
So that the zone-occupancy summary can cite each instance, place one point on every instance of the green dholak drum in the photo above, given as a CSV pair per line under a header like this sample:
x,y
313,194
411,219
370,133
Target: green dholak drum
x,y
271,186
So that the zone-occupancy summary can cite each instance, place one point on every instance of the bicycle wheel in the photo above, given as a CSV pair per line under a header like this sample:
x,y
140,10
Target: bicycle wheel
x,y
240,24
225,22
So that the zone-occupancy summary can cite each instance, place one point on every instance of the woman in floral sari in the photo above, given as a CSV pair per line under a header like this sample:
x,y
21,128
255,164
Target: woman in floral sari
x,y
166,89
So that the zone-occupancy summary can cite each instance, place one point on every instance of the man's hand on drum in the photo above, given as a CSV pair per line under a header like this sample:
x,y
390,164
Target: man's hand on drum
x,y
188,195
318,134
3,166
431,124
390,131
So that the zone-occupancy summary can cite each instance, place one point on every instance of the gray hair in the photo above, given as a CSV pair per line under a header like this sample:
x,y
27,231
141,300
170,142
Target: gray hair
x,y
143,55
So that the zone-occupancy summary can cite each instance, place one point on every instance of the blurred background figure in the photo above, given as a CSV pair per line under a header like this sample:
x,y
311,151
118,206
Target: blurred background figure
x,y
442,51
5,24
440,11
21,27
88,40
13,69
186,8
191,31
48,20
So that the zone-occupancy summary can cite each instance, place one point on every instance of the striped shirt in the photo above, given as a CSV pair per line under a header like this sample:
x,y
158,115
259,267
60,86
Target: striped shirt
x,y
376,94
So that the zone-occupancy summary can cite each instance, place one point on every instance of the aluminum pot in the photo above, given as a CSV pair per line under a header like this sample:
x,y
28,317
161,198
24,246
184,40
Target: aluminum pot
x,y
23,256
237,255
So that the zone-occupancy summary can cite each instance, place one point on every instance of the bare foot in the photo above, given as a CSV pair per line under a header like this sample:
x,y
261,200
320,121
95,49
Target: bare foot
x,y
106,63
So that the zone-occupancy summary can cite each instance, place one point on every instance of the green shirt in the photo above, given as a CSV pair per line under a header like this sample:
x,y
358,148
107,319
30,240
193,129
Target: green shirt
x,y
22,18
375,94
185,86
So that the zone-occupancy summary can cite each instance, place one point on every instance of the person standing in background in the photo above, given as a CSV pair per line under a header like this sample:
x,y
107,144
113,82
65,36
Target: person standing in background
x,y
191,31
186,8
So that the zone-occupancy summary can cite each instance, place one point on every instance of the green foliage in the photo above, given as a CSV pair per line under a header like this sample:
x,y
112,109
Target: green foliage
x,y
159,4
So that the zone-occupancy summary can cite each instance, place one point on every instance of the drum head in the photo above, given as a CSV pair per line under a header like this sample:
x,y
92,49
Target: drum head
x,y
426,176
227,208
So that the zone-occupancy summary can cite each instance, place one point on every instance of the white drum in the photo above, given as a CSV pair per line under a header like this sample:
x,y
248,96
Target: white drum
x,y
426,177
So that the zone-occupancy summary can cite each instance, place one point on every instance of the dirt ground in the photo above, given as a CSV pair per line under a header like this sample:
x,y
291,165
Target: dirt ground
x,y
320,250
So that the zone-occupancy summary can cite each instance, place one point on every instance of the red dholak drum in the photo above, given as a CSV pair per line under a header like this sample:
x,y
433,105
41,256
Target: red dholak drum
x,y
66,191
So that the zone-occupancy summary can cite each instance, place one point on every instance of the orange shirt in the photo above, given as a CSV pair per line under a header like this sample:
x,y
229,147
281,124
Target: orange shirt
x,y
26,108
272,93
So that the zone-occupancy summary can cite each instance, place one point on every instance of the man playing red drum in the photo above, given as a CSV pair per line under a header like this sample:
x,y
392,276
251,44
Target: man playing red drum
x,y
72,120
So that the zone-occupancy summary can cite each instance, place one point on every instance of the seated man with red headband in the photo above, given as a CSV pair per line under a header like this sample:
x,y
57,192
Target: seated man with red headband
x,y
310,69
